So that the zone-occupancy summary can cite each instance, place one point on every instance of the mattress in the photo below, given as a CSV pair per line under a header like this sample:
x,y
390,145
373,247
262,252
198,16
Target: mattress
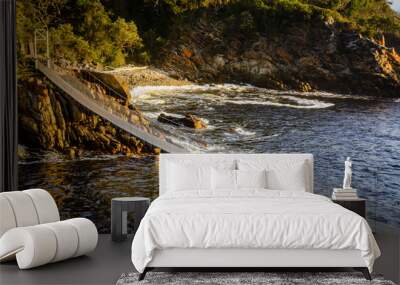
x,y
250,219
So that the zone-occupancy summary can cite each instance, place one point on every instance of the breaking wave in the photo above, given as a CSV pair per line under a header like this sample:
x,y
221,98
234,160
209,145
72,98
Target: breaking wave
x,y
244,132
215,103
233,94
303,103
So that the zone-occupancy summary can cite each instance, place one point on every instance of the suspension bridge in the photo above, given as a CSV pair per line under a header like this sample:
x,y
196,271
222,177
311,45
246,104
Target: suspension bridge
x,y
109,109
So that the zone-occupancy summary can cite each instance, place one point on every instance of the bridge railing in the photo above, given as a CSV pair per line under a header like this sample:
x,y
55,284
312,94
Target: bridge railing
x,y
109,89
114,107
171,134
109,109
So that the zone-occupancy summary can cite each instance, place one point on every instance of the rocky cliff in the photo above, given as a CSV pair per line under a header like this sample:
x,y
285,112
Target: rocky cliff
x,y
315,55
50,120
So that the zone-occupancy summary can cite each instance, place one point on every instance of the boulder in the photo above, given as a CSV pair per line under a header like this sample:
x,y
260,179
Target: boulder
x,y
195,122
190,121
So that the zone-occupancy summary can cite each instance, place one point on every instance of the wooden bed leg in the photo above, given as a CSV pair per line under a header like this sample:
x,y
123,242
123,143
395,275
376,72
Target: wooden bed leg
x,y
142,275
364,271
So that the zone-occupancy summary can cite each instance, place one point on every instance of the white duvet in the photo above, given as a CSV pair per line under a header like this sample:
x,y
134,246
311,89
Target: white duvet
x,y
250,219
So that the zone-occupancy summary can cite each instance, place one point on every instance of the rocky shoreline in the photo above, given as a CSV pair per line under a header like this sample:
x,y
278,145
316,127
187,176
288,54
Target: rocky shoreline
x,y
145,76
317,56
50,120
323,56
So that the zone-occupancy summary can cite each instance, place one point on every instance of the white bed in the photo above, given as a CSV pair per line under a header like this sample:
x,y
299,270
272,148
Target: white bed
x,y
281,224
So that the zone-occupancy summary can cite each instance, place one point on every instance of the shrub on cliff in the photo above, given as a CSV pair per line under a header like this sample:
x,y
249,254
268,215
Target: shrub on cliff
x,y
80,31
67,45
369,17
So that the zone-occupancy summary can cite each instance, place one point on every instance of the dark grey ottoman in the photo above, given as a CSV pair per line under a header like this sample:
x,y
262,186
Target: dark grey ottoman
x,y
119,214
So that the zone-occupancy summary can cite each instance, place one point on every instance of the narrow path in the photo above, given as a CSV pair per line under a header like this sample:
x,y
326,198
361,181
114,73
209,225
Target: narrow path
x,y
109,110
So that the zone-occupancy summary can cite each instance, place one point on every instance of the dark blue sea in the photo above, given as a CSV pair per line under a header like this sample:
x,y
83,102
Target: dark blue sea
x,y
242,119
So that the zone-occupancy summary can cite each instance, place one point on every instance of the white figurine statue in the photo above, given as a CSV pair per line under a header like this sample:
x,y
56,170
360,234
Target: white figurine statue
x,y
347,173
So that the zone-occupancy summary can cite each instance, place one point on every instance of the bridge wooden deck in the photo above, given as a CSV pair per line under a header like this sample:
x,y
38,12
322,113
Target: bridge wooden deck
x,y
108,110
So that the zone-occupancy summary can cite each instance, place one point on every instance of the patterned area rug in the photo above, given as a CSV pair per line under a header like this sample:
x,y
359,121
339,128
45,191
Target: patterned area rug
x,y
243,278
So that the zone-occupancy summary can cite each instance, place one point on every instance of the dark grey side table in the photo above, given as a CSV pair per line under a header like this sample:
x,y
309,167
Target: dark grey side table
x,y
120,207
357,205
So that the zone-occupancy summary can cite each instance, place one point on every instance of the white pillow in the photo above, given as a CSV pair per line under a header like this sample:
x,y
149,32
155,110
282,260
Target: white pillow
x,y
223,179
184,178
251,178
287,176
281,175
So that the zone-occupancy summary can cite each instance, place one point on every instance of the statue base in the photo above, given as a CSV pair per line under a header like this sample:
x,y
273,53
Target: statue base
x,y
344,193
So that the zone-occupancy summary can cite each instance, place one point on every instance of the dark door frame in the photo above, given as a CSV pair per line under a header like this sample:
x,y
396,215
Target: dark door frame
x,y
8,98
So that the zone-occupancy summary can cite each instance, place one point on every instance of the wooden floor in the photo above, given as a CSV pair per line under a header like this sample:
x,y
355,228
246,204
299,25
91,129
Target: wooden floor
x,y
111,259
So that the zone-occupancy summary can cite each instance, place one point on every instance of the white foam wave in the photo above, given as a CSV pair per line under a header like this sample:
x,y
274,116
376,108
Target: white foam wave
x,y
159,89
205,120
318,94
151,115
154,115
313,104
191,145
263,138
204,88
244,132
156,101
225,92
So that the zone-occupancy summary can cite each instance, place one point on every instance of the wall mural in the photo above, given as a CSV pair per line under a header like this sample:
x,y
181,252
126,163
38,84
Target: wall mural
x,y
104,86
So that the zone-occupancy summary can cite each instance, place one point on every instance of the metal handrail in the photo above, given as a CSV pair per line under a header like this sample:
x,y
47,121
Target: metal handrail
x,y
152,127
104,84
110,109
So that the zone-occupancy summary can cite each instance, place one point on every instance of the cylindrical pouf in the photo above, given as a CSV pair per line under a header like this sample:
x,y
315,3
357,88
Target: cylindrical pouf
x,y
34,246
87,235
23,208
45,205
67,240
37,245
7,218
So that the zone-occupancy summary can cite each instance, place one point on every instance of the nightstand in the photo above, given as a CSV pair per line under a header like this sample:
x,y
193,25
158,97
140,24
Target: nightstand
x,y
119,214
357,205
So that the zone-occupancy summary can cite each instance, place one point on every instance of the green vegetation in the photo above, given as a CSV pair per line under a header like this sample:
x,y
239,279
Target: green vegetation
x,y
80,31
368,16
86,31
155,18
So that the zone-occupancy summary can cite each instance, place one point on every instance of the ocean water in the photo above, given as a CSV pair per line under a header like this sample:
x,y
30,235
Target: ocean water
x,y
242,119
330,126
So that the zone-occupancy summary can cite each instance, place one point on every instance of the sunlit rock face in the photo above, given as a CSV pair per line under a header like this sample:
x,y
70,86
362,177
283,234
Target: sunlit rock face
x,y
321,55
50,120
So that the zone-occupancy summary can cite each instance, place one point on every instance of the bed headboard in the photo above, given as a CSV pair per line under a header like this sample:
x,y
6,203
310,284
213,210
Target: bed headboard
x,y
218,158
